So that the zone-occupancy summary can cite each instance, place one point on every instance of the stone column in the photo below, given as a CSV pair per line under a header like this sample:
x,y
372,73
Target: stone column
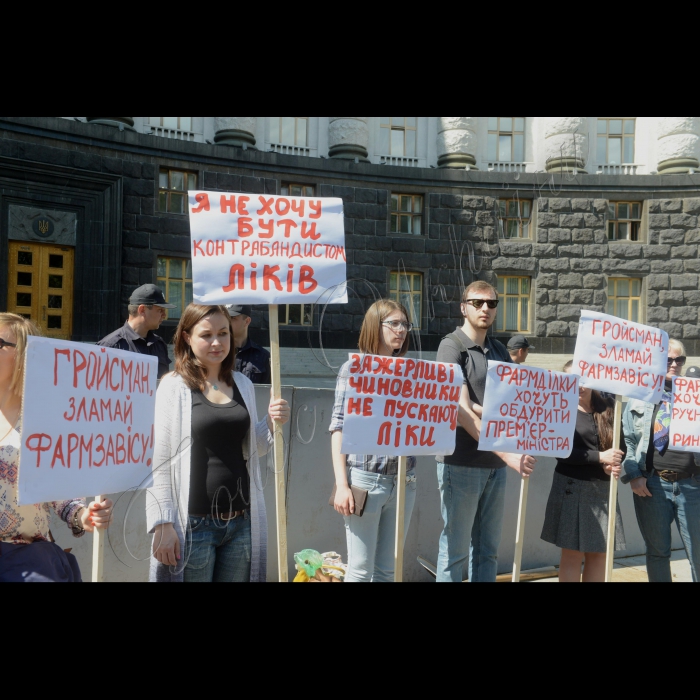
x,y
127,122
348,138
566,144
679,145
235,131
457,142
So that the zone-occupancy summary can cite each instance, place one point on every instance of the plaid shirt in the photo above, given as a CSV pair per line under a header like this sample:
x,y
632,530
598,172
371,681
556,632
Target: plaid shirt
x,y
386,466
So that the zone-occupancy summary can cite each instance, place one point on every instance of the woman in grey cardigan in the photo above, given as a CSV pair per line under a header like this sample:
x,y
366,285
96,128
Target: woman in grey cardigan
x,y
206,508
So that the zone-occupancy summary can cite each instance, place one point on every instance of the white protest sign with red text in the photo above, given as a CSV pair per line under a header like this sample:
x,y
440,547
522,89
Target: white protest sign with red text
x,y
685,421
260,249
87,421
400,407
529,411
620,357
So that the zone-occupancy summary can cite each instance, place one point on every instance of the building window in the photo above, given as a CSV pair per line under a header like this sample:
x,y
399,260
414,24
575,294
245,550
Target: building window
x,y
514,309
397,136
297,315
625,299
290,189
407,214
175,279
407,289
616,140
624,221
174,123
506,140
515,216
290,131
174,185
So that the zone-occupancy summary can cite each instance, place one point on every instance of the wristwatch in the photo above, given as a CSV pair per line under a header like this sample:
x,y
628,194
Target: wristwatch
x,y
77,525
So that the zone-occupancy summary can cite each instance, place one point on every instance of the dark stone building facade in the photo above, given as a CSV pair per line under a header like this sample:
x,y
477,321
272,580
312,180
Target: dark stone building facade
x,y
106,182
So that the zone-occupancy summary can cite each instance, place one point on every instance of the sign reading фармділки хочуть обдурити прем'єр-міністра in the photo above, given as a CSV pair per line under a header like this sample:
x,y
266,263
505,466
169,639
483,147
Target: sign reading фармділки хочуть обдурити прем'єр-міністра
x,y
529,411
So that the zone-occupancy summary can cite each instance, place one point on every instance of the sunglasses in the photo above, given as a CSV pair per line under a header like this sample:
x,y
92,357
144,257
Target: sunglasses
x,y
680,361
5,344
479,303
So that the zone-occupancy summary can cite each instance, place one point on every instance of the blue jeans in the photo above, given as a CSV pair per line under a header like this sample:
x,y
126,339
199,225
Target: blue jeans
x,y
220,552
678,502
372,538
473,505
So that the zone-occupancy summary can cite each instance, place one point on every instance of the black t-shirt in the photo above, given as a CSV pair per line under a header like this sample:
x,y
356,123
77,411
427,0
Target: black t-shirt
x,y
467,453
219,480
680,462
584,463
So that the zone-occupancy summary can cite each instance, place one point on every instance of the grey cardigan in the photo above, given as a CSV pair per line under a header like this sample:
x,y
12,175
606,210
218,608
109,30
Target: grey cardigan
x,y
168,499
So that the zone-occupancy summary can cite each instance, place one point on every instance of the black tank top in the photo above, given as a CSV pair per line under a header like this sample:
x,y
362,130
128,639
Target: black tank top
x,y
219,477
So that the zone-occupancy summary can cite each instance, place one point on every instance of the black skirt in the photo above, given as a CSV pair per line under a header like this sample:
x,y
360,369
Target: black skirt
x,y
577,516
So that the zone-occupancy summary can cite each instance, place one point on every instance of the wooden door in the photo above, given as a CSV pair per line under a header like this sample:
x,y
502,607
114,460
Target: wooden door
x,y
41,286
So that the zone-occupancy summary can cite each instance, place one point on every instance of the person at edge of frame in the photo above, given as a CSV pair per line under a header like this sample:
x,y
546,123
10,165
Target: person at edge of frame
x,y
473,483
576,519
666,484
519,348
371,538
252,360
206,509
28,553
147,311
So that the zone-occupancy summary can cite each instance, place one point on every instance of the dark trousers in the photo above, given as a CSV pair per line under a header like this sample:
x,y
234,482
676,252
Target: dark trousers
x,y
41,562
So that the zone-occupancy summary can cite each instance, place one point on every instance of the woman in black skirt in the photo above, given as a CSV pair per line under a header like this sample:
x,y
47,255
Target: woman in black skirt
x,y
577,512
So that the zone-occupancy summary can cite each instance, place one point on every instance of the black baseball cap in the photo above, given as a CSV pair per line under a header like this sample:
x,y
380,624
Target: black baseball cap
x,y
150,295
519,342
693,373
240,311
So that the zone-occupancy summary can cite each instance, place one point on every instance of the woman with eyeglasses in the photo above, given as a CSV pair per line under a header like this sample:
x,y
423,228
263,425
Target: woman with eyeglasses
x,y
666,484
371,538
27,551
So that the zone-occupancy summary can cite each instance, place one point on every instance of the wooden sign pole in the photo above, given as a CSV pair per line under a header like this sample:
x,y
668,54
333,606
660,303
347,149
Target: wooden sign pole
x,y
280,487
400,518
520,535
98,551
612,506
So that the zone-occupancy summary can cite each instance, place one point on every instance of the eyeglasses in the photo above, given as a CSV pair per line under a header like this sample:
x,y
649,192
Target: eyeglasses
x,y
398,325
479,303
680,361
5,344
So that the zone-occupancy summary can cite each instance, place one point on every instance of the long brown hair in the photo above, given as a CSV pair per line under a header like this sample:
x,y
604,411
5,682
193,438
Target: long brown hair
x,y
21,328
186,364
603,415
370,336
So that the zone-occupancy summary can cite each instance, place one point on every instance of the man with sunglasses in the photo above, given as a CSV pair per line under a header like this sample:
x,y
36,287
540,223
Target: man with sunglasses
x,y
473,483
666,484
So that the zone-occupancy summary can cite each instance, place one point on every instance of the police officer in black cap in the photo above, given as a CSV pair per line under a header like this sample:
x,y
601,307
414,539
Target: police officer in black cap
x,y
519,348
147,311
251,360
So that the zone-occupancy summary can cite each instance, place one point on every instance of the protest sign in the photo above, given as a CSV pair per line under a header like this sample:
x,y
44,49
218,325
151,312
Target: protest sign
x,y
260,249
625,359
401,407
87,421
529,411
620,357
685,420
